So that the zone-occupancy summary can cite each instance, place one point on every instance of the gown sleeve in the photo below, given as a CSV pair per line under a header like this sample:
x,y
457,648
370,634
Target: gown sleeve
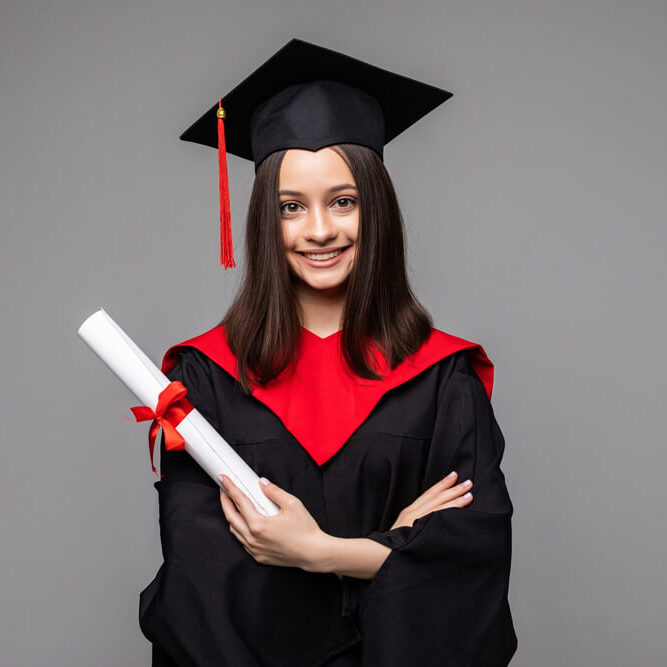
x,y
211,604
440,597
173,609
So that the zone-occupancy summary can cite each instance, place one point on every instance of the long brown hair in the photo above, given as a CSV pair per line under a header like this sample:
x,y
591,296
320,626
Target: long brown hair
x,y
263,322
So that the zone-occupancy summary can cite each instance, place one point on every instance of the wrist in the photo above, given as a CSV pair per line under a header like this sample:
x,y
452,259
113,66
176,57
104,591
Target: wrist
x,y
353,557
322,554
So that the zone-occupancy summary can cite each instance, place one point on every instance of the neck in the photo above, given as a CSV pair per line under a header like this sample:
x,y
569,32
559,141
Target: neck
x,y
321,310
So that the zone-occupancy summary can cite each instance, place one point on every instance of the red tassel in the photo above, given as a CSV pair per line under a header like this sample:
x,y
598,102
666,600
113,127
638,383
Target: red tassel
x,y
226,248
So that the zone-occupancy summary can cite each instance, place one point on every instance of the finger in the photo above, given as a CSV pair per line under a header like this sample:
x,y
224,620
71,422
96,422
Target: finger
x,y
238,536
444,483
444,497
462,501
236,521
436,489
457,490
227,504
278,495
233,516
440,492
242,541
243,503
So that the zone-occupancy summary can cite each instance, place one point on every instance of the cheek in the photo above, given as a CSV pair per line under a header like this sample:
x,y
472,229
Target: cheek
x,y
288,237
351,227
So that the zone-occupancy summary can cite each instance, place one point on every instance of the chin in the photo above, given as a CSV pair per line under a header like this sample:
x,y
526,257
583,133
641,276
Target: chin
x,y
323,283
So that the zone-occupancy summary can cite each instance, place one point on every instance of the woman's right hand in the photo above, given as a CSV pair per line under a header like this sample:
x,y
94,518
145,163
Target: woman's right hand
x,y
442,494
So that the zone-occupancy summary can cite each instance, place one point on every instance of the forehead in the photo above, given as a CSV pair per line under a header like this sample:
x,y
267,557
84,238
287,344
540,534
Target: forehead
x,y
323,166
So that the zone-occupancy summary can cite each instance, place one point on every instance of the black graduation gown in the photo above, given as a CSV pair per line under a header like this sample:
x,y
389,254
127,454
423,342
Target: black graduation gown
x,y
440,597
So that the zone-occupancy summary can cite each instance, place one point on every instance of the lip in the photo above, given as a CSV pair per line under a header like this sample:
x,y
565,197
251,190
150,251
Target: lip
x,y
323,264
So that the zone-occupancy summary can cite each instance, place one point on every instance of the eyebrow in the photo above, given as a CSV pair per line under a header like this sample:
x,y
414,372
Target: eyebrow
x,y
335,188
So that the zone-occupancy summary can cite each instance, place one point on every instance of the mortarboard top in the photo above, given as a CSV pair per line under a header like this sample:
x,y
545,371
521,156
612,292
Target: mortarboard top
x,y
307,96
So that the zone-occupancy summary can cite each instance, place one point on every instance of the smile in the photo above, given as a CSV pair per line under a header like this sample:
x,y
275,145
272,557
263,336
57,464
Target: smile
x,y
323,258
322,255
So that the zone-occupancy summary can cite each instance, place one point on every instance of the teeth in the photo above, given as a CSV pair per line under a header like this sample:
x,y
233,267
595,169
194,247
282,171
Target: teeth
x,y
322,255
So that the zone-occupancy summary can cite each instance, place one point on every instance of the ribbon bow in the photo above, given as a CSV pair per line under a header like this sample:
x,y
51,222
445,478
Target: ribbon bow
x,y
171,408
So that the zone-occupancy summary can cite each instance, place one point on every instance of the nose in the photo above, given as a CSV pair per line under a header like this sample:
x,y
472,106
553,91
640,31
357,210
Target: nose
x,y
319,227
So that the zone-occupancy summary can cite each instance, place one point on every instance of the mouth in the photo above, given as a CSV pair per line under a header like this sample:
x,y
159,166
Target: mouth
x,y
323,256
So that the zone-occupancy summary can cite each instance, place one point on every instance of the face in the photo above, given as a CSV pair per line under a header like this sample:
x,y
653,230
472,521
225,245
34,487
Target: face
x,y
320,217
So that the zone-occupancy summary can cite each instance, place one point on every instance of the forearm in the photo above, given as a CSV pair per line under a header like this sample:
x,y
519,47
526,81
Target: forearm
x,y
352,557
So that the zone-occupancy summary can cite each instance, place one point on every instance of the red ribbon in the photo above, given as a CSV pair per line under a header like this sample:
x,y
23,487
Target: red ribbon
x,y
172,407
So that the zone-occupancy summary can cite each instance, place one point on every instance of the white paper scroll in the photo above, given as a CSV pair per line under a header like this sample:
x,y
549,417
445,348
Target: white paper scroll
x,y
145,380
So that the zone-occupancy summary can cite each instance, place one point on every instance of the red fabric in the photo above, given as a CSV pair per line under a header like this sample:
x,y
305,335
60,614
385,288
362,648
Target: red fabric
x,y
321,404
171,408
226,247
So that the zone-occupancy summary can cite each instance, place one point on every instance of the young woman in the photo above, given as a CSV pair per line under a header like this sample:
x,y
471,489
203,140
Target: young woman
x,y
370,427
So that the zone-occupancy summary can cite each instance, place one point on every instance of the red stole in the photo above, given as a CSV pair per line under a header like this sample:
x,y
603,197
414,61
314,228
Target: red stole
x,y
321,403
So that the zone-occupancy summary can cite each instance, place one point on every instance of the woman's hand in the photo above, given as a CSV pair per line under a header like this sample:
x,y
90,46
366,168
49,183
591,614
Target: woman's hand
x,y
291,538
439,496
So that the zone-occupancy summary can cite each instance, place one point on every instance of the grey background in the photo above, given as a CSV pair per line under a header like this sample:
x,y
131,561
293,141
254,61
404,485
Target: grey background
x,y
534,200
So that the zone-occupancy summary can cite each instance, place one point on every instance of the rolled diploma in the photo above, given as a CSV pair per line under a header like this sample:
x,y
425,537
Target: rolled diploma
x,y
145,380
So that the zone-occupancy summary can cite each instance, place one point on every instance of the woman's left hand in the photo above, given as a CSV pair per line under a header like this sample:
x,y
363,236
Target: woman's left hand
x,y
291,538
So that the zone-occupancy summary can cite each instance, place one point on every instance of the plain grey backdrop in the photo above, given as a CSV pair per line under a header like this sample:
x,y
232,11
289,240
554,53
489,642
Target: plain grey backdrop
x,y
535,215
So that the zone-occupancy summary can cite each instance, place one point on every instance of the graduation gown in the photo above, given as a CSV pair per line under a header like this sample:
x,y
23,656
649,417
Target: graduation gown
x,y
356,452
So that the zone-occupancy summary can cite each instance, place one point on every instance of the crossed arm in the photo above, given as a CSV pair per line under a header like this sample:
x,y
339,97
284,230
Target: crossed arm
x,y
293,538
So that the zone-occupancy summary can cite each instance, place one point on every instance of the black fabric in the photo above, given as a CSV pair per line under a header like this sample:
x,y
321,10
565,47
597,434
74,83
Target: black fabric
x,y
308,96
316,114
440,597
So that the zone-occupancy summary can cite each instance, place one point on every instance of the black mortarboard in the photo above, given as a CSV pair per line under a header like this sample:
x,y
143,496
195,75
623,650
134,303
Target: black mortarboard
x,y
307,96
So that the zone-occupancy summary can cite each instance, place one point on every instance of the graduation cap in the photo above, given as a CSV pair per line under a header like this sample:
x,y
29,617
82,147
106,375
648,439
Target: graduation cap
x,y
307,96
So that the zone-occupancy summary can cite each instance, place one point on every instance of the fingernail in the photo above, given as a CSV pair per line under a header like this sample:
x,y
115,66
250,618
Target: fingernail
x,y
264,481
467,495
223,479
467,482
451,474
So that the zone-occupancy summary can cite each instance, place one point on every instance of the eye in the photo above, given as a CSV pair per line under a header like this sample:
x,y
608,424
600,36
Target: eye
x,y
288,203
346,199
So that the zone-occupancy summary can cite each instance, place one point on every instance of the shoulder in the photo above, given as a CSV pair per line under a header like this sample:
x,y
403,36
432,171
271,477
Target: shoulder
x,y
456,370
462,362
190,358
195,370
455,353
208,349
457,362
192,367
193,349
